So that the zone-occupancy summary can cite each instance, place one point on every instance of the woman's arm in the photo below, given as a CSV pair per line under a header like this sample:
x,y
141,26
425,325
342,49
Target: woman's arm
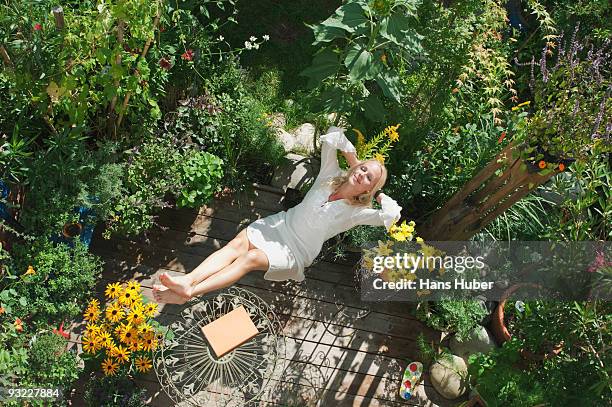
x,y
351,158
331,142
387,216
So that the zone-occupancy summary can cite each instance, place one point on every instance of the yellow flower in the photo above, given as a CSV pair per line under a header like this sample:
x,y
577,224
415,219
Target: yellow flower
x,y
133,286
94,303
105,339
30,271
150,309
121,354
134,346
383,249
419,239
91,314
90,345
129,335
379,157
360,137
121,328
391,132
93,329
113,290
136,316
114,312
127,298
149,343
109,367
143,364
145,329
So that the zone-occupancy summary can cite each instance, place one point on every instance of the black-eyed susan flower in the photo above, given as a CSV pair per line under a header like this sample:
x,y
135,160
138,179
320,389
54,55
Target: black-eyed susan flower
x,y
150,309
128,336
114,312
105,339
149,343
127,298
121,328
113,290
135,346
109,367
91,314
145,329
133,286
121,354
136,316
143,364
94,304
90,344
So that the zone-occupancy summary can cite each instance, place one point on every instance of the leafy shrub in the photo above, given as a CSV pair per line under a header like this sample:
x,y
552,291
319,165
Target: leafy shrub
x,y
228,122
362,46
50,363
201,174
152,171
114,391
460,316
443,165
62,279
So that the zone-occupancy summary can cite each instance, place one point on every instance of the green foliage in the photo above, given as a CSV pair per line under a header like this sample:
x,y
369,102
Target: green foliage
x,y
152,171
446,162
230,123
571,96
460,316
201,174
503,379
500,382
363,45
111,391
63,279
50,363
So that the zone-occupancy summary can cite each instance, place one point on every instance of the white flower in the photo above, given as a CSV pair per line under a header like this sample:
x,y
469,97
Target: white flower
x,y
221,38
256,46
253,38
266,37
248,45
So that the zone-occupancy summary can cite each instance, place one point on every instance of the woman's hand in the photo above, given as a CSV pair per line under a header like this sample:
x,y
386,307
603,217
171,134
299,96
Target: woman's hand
x,y
379,197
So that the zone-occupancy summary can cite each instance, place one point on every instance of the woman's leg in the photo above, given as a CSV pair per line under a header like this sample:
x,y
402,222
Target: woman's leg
x,y
183,285
254,259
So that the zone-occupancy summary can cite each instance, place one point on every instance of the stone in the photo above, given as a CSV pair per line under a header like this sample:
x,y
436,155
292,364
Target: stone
x,y
304,137
286,139
480,340
296,172
449,377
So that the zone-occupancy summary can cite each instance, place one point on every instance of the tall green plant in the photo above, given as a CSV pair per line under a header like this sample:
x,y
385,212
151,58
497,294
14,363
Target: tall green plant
x,y
363,44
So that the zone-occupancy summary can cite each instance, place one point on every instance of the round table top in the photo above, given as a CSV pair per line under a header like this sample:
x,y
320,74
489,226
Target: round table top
x,y
188,369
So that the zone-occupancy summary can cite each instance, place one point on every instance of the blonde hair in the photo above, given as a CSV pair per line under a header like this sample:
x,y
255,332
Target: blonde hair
x,y
364,199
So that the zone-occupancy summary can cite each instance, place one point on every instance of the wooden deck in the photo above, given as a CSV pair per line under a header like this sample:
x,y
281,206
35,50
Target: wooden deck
x,y
340,351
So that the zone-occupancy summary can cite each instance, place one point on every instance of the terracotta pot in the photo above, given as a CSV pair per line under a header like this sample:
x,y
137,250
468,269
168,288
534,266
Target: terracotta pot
x,y
500,331
502,334
72,230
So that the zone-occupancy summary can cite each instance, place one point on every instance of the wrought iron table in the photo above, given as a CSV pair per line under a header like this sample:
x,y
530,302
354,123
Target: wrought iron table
x,y
191,374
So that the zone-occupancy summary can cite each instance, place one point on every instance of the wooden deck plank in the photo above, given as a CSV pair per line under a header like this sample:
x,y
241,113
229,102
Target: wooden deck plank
x,y
356,361
281,298
324,280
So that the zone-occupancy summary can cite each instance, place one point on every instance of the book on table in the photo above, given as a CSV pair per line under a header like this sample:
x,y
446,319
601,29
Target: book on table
x,y
229,331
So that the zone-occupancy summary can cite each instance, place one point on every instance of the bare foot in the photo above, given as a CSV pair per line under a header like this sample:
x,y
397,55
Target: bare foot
x,y
166,296
179,284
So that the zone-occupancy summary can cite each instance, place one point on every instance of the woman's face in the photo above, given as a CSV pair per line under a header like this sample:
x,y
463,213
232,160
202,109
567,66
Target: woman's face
x,y
364,177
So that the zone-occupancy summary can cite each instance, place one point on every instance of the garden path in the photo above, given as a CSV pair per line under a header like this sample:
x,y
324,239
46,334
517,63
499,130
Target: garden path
x,y
341,351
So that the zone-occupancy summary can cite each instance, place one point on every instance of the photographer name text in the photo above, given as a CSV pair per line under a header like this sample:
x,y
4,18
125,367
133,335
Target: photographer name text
x,y
429,284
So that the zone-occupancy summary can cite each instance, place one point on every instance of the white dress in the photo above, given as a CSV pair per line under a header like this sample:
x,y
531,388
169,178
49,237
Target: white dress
x,y
292,239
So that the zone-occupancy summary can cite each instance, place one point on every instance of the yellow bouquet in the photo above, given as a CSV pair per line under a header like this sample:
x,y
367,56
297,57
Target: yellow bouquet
x,y
121,335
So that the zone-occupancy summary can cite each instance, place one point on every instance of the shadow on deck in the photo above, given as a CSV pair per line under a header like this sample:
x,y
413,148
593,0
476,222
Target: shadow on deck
x,y
340,351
